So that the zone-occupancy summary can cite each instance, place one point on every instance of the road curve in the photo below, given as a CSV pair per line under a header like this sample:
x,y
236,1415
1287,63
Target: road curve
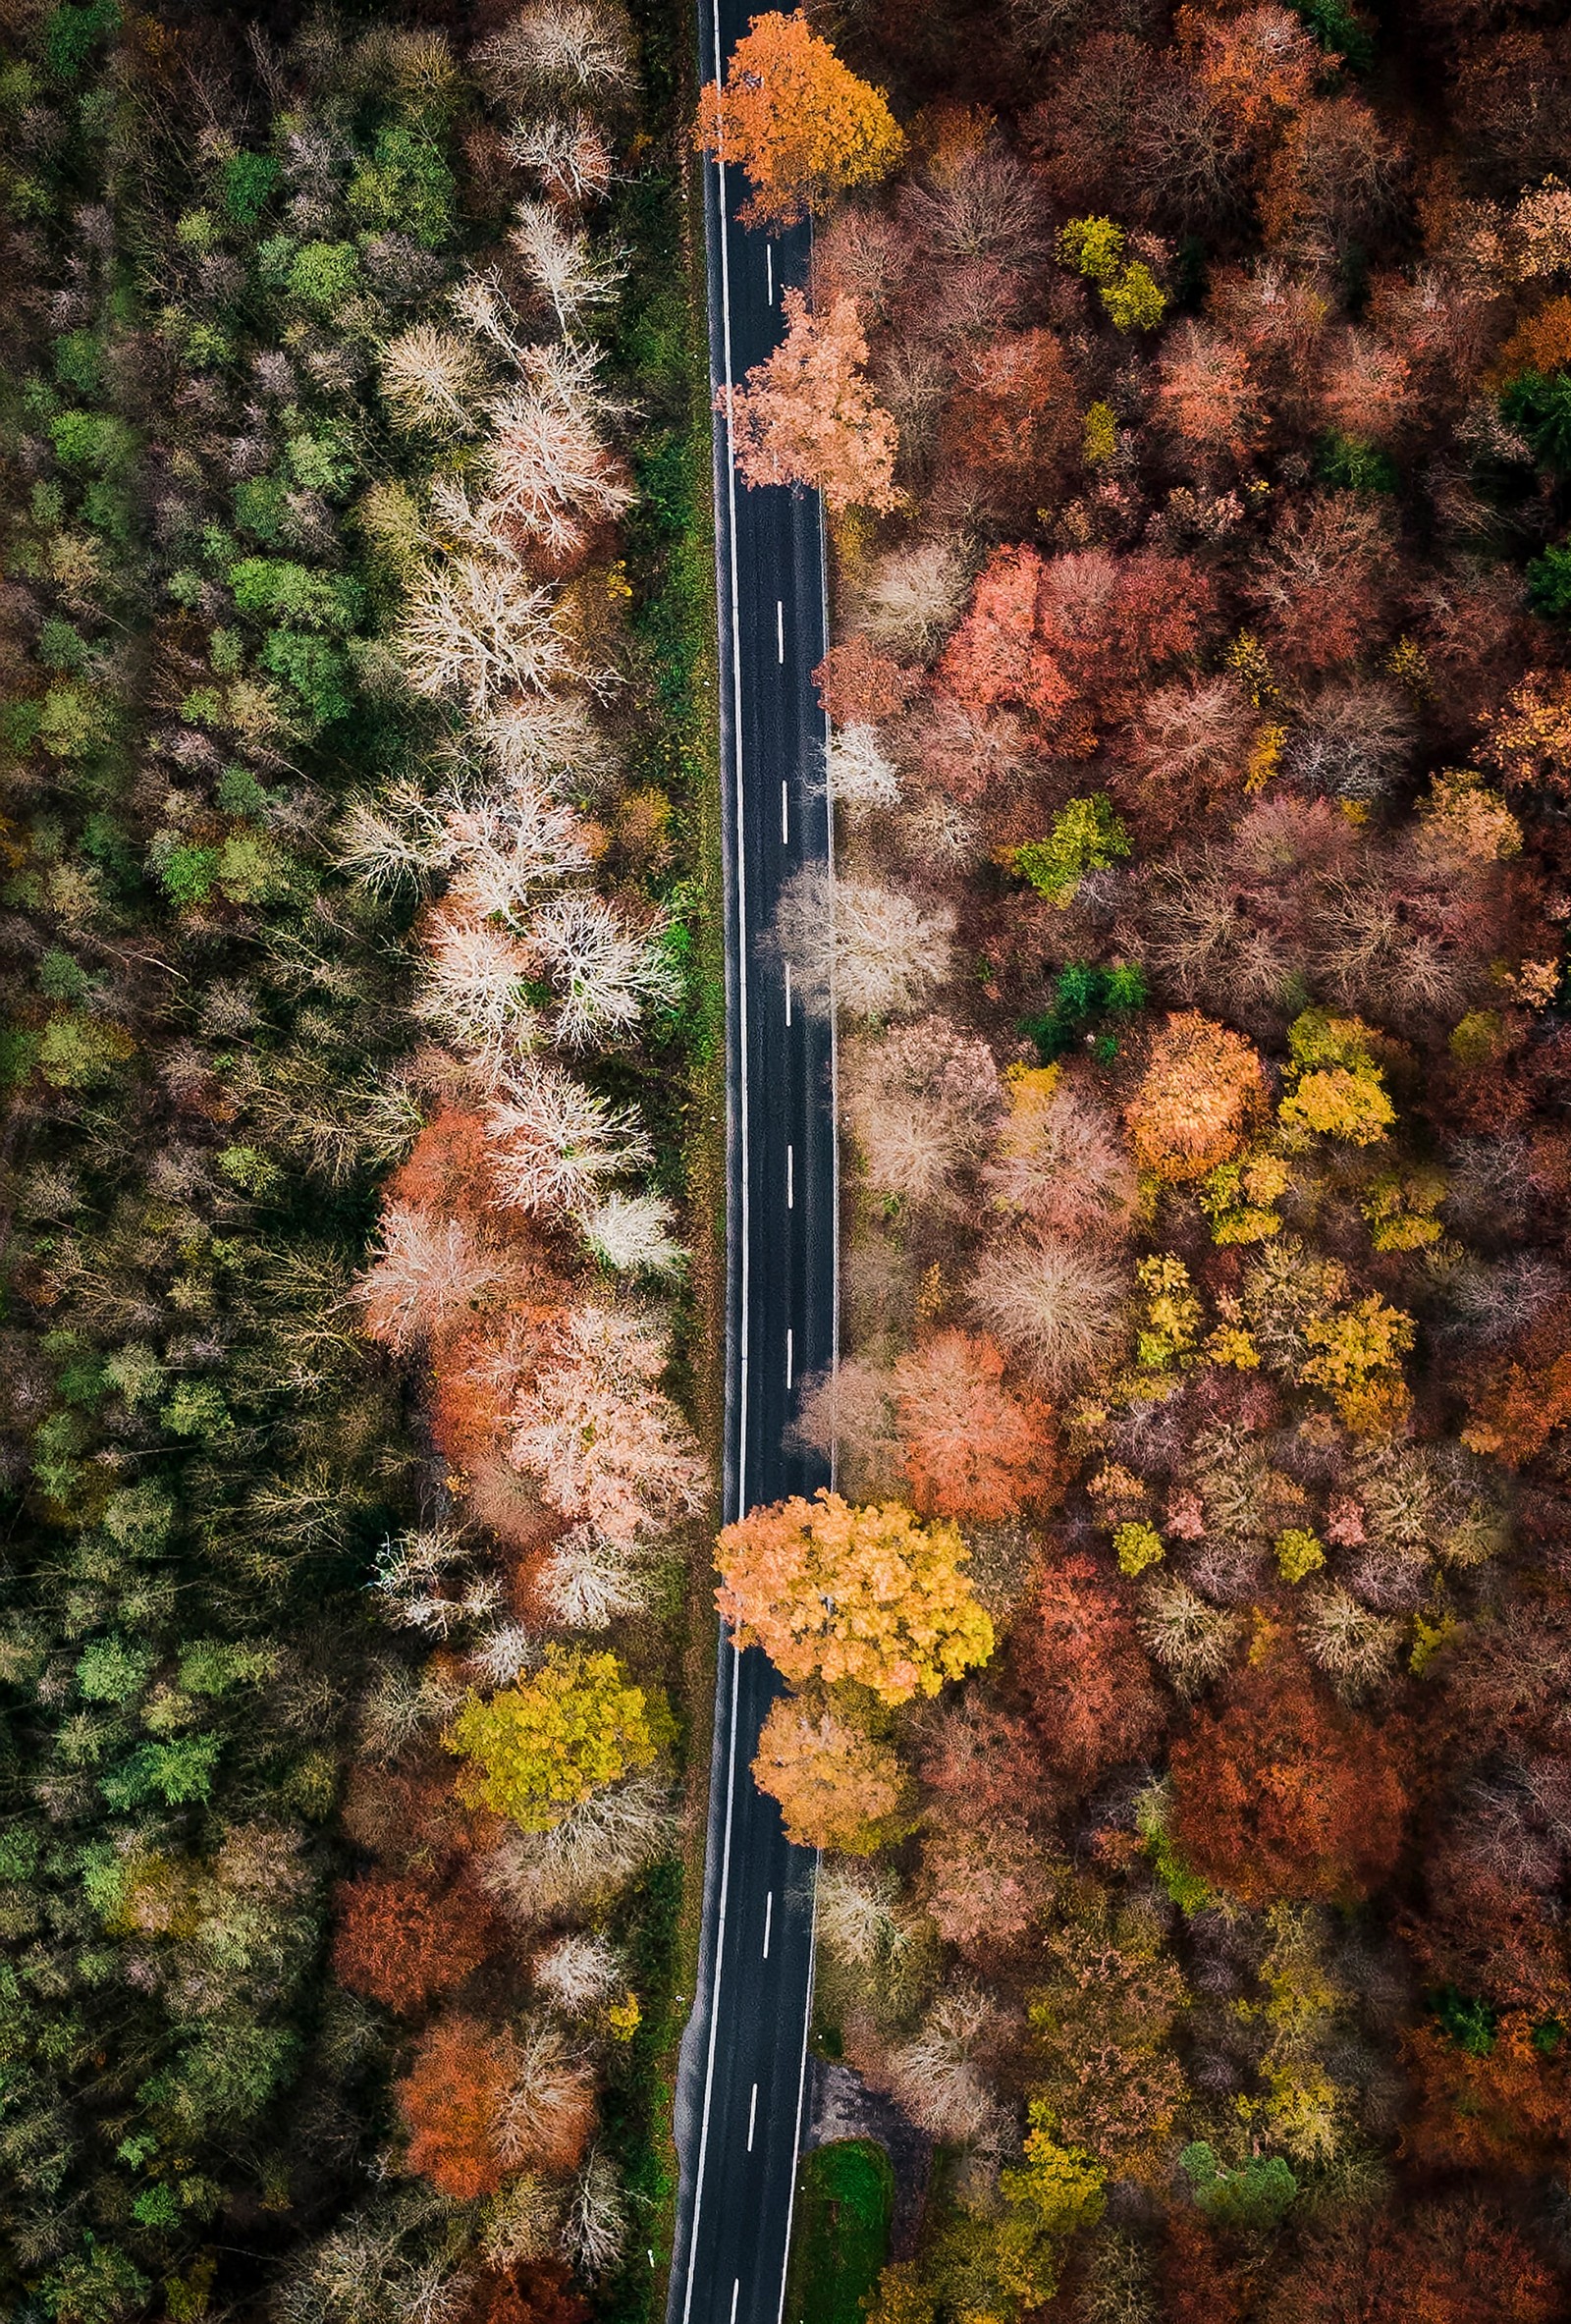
x,y
743,2059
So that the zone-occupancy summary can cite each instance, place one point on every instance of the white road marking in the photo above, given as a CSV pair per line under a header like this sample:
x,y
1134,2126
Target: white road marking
x,y
790,1340
735,2294
733,593
791,1177
784,814
769,1920
787,992
752,2117
769,261
780,630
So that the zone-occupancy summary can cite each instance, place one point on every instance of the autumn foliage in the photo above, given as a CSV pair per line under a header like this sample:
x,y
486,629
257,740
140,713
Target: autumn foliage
x,y
806,415
1280,1792
800,122
1202,1093
401,1941
834,1593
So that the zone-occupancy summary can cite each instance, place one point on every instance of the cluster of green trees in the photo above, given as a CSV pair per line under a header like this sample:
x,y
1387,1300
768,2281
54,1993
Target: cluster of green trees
x,y
214,509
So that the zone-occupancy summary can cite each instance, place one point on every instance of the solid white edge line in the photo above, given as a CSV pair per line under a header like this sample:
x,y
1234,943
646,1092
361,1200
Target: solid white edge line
x,y
744,1286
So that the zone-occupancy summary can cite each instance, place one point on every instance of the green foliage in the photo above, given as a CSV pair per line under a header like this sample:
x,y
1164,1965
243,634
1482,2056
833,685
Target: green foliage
x,y
71,36
1539,408
1354,463
324,275
1086,837
274,588
407,184
97,441
1470,2023
246,183
1253,2199
841,2233
1083,995
1549,583
316,673
1338,30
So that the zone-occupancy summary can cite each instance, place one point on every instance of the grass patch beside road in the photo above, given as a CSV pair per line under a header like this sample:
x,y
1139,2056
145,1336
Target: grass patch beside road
x,y
844,2206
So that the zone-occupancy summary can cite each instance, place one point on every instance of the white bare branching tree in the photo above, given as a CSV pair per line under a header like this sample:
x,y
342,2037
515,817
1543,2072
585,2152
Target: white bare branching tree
x,y
568,153
632,1233
555,1144
558,49
572,274
479,629
579,1972
858,774
605,972
860,947
546,470
433,380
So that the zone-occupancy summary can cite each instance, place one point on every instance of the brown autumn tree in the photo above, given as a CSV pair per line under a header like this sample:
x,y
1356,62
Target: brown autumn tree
x,y
401,1940
1283,1792
538,2292
1457,2260
1504,2108
1085,1674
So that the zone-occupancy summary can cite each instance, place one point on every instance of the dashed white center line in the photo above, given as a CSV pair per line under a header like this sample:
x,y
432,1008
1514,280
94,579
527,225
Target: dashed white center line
x,y
769,261
780,630
787,992
784,814
735,2294
752,2117
790,1340
769,1920
791,1177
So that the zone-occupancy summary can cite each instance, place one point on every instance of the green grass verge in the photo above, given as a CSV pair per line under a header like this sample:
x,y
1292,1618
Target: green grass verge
x,y
845,2206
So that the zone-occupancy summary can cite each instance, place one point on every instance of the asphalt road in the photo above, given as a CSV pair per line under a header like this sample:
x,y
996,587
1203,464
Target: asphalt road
x,y
739,2096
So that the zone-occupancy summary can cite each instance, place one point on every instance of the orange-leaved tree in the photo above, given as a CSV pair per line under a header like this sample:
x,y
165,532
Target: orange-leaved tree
x,y
1202,1094
399,1940
972,1450
451,2101
806,415
837,1785
801,122
833,1591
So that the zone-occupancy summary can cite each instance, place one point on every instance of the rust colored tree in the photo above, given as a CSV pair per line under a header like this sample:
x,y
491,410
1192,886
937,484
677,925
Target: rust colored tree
x,y
1284,1792
972,1449
451,2101
1090,1685
401,1941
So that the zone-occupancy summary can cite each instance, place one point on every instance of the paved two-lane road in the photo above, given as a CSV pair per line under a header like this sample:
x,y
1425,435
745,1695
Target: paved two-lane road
x,y
739,2099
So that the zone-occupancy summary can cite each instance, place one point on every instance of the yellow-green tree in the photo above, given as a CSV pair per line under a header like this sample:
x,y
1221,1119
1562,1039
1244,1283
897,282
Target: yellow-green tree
x,y
833,1591
802,123
1338,1090
536,1750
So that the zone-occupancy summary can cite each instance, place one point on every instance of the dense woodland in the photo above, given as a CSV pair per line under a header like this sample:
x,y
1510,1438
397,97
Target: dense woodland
x,y
358,1033
1180,1677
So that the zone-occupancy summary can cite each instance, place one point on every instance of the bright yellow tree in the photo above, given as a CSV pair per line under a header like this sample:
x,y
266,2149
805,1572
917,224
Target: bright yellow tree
x,y
538,1749
838,1786
833,1591
801,122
